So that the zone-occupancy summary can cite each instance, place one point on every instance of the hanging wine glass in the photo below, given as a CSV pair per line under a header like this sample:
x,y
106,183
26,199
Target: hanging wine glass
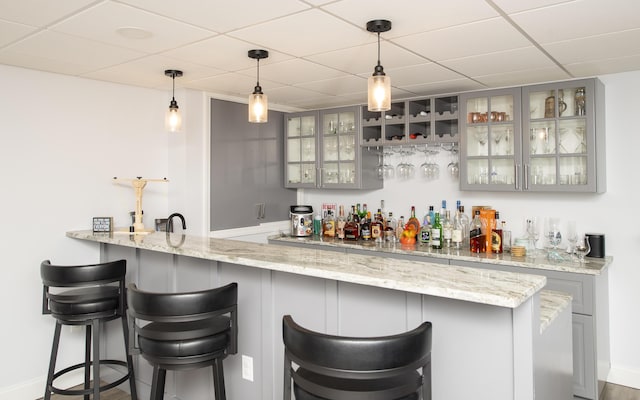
x,y
389,170
380,167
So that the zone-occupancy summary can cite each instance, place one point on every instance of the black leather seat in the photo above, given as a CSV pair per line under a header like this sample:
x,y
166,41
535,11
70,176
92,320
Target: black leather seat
x,y
88,295
351,368
184,331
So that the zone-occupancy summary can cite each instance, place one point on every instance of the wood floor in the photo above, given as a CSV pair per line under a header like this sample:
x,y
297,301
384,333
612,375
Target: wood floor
x,y
611,392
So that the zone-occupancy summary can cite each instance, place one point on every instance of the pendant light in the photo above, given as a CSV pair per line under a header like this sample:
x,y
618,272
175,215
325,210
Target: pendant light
x,y
258,104
173,119
379,87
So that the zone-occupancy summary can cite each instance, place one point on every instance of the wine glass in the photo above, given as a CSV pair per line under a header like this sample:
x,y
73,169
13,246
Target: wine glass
x,y
582,248
533,234
380,167
389,170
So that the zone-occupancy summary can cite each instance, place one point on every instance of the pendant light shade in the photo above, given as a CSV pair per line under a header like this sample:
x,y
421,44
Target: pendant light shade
x,y
173,119
379,84
258,103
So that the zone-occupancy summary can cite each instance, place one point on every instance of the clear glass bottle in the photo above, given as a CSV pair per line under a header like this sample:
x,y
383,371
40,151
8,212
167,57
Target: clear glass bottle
x,y
329,225
400,227
457,233
466,224
390,229
496,235
317,224
436,233
447,230
342,221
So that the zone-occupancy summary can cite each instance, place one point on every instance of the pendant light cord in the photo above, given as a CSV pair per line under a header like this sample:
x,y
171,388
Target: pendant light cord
x,y
173,91
258,73
378,48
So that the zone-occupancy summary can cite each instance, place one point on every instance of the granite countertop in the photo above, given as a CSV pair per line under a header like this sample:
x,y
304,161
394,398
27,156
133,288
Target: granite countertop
x,y
551,305
498,288
592,266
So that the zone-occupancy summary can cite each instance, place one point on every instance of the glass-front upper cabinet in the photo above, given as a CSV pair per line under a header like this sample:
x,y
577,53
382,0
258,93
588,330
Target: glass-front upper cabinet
x,y
300,149
564,126
338,156
490,140
322,150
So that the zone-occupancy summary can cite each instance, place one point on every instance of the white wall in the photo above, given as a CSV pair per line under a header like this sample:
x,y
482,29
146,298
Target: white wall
x,y
62,139
613,213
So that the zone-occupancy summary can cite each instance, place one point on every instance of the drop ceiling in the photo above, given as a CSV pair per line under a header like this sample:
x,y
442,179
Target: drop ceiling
x,y
320,51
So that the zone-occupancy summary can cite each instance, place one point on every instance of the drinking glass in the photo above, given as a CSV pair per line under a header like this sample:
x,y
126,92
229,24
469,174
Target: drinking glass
x,y
572,236
582,248
555,238
533,234
380,167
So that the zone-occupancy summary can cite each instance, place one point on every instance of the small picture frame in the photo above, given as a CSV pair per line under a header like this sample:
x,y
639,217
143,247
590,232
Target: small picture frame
x,y
102,224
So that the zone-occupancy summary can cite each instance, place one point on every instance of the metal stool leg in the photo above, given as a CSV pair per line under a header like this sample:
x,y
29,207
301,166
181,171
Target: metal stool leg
x,y
218,380
87,359
132,376
157,383
96,359
52,361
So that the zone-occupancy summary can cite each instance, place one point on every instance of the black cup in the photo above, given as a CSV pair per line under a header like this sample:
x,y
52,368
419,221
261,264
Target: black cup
x,y
596,242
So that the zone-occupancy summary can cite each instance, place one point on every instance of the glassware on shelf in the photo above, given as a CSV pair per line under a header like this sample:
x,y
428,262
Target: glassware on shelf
x,y
532,235
572,236
582,248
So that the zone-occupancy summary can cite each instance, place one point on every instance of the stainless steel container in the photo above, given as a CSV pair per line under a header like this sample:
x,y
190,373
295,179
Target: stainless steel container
x,y
301,220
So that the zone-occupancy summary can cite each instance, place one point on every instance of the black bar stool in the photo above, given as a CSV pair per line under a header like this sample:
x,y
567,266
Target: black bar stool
x,y
184,331
88,295
352,368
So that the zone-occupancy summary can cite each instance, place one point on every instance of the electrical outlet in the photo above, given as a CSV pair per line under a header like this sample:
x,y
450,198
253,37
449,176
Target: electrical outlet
x,y
247,368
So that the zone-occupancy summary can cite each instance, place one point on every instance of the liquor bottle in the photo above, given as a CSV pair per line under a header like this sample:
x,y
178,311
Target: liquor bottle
x,y
443,210
413,221
447,229
390,229
383,213
355,215
400,227
377,229
329,225
466,226
317,224
365,227
496,235
457,233
436,233
352,228
340,223
424,238
363,212
476,237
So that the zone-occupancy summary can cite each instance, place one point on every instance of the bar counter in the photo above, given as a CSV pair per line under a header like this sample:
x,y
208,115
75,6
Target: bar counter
x,y
496,333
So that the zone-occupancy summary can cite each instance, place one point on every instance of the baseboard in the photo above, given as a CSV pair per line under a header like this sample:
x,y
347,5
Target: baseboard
x,y
624,376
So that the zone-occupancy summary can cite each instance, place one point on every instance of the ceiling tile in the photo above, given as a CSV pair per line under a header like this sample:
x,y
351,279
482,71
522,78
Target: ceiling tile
x,y
517,78
11,31
149,72
608,66
292,94
423,73
53,48
612,45
294,71
573,20
411,16
231,83
501,62
453,86
223,52
465,40
510,6
102,22
40,13
362,59
221,16
309,32
342,85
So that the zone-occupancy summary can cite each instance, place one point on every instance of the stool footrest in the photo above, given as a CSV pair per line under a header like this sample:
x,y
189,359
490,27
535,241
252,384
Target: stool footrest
x,y
80,392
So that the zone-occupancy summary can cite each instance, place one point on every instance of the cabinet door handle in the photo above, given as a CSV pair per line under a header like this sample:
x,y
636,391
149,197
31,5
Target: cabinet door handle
x,y
526,176
516,168
319,176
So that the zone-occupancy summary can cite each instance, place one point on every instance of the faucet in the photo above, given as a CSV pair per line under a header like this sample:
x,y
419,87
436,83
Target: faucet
x,y
169,226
